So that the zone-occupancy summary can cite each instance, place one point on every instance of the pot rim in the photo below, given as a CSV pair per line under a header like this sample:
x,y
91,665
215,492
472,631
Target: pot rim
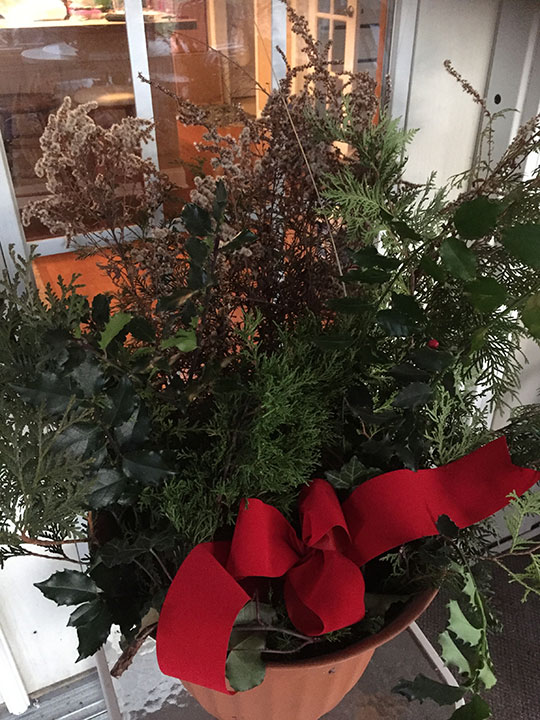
x,y
412,610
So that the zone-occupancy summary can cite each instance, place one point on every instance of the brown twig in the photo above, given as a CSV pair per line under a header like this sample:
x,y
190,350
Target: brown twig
x,y
126,658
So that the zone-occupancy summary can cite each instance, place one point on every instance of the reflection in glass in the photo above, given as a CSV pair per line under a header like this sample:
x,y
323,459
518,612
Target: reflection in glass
x,y
340,7
338,46
323,30
324,6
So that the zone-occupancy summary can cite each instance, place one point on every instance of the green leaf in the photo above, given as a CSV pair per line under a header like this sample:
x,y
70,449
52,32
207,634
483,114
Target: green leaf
x,y
485,294
146,466
395,322
477,218
447,527
93,621
101,309
413,395
135,430
184,340
460,625
142,329
220,200
458,259
244,668
405,231
254,612
68,587
530,315
333,342
431,360
113,328
176,299
349,305
120,403
79,440
476,709
197,220
369,257
350,475
371,276
523,243
433,269
485,674
424,688
452,655
122,552
106,488
406,371
89,376
244,237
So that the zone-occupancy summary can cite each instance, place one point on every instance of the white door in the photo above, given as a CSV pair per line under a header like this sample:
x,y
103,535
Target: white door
x,y
336,20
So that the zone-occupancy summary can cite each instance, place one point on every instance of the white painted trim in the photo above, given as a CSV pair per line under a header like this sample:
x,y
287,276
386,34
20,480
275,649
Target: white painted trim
x,y
107,687
12,230
12,688
138,58
56,245
434,657
534,32
402,48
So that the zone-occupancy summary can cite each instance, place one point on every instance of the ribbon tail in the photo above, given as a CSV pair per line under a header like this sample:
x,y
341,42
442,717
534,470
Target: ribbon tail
x,y
324,593
197,617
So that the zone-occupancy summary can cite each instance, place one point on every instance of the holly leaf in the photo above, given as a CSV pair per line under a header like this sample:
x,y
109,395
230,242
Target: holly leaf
x,y
197,250
351,474
146,466
220,200
402,318
106,488
406,371
196,220
433,269
101,309
458,259
93,621
452,655
413,395
135,429
477,218
333,342
48,389
184,340
370,276
176,299
431,360
255,611
447,527
244,668
113,328
79,440
121,552
370,257
120,402
485,294
142,329
530,315
349,305
244,237
461,627
68,587
523,243
476,709
424,688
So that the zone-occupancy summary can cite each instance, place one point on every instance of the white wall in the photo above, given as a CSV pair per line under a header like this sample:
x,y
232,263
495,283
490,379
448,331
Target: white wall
x,y
462,31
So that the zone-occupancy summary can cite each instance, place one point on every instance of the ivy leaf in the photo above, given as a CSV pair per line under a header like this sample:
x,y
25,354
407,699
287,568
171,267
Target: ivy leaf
x,y
196,220
460,625
349,305
106,488
414,394
113,328
68,587
424,688
101,309
458,259
146,466
523,243
452,655
530,315
476,709
120,402
477,218
184,340
220,200
93,621
485,294
350,475
244,668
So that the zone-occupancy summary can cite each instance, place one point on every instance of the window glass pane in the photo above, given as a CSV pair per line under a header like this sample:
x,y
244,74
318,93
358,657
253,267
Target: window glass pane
x,y
323,30
370,18
340,7
338,44
49,50
324,6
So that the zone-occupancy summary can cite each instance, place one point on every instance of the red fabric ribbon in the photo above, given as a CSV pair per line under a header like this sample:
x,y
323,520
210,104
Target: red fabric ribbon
x,y
323,582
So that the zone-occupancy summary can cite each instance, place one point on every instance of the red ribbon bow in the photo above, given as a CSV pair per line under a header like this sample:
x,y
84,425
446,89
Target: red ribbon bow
x,y
323,583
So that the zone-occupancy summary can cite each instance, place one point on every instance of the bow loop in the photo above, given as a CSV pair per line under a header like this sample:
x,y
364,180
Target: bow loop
x,y
323,523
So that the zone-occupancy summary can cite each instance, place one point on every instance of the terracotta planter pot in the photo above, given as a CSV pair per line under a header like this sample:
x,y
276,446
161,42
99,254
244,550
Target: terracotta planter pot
x,y
308,689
